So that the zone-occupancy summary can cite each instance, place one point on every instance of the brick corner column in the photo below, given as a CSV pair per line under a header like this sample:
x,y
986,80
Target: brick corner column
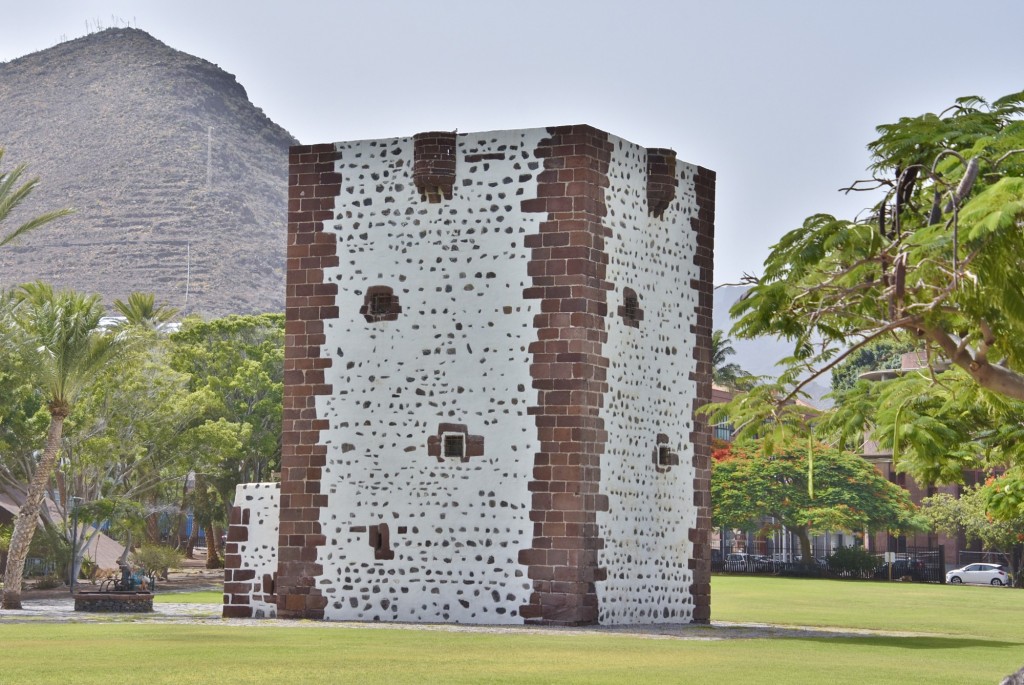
x,y
313,185
237,583
568,264
703,224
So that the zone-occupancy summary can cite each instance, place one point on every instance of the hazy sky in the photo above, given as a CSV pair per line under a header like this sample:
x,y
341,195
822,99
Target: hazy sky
x,y
779,97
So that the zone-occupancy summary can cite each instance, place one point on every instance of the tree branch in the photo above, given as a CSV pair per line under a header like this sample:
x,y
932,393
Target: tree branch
x,y
998,379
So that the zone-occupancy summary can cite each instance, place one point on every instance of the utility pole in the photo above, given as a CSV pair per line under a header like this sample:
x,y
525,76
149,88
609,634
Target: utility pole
x,y
209,156
188,272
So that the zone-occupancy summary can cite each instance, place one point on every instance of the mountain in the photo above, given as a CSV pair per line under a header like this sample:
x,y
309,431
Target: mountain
x,y
758,356
178,182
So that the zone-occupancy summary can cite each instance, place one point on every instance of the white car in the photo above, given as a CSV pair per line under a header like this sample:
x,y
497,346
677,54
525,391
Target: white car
x,y
737,561
983,574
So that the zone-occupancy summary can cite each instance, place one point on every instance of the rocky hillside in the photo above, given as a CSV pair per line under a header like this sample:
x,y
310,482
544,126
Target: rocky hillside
x,y
120,127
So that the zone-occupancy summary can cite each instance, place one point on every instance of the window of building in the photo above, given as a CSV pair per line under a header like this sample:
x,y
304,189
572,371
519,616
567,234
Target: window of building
x,y
723,431
454,445
632,305
380,304
630,311
453,442
664,458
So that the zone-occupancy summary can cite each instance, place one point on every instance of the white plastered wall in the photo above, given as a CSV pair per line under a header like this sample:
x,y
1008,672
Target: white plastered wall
x,y
259,551
458,353
645,530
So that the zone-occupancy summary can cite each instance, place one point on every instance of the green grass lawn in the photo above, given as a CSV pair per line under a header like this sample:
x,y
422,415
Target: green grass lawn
x,y
966,610
201,597
974,635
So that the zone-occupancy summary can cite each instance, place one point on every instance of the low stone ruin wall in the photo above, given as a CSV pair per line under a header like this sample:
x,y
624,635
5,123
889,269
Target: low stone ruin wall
x,y
114,602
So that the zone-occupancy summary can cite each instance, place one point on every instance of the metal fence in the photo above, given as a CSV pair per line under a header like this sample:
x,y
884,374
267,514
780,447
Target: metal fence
x,y
917,564
965,557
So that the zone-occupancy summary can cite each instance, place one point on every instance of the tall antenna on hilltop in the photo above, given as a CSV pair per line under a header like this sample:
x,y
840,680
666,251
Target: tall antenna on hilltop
x,y
209,156
188,271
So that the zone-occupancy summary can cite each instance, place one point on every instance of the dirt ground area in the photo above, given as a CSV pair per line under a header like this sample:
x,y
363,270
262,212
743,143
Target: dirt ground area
x,y
191,577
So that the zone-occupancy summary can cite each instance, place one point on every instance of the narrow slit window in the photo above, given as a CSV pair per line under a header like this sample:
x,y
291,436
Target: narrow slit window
x,y
632,305
630,310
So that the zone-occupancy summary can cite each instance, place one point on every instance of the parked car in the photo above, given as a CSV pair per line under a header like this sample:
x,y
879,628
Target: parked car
x,y
982,574
737,561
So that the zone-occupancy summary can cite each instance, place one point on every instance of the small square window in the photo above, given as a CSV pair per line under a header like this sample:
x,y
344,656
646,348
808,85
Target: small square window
x,y
664,456
380,304
455,445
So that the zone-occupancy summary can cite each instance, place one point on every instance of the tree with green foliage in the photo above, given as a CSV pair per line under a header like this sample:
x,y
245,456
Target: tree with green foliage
x,y
969,515
937,260
883,354
15,189
62,347
937,257
750,485
723,372
238,361
217,449
125,442
141,311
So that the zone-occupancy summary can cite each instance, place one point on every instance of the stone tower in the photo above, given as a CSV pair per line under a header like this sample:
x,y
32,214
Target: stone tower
x,y
495,346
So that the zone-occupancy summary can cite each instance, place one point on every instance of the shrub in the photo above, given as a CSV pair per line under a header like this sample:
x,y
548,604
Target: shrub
x,y
852,560
48,582
157,559
52,549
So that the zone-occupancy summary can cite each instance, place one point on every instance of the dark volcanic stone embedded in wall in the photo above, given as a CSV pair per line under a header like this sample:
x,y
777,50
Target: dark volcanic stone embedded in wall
x,y
309,301
703,224
568,266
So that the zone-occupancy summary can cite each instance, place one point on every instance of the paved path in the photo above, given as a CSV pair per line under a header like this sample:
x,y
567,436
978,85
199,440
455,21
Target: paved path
x,y
62,610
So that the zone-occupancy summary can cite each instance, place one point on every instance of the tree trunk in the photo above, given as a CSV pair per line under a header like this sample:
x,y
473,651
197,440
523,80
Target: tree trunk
x,y
212,558
1017,565
807,556
182,540
153,529
193,538
998,379
28,517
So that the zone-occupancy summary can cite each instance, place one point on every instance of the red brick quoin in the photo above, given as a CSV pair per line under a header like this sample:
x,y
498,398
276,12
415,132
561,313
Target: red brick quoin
x,y
238,582
309,301
434,165
568,266
703,224
661,180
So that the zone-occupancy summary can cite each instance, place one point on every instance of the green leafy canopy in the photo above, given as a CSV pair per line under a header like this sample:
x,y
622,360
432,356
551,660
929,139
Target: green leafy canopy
x,y
935,263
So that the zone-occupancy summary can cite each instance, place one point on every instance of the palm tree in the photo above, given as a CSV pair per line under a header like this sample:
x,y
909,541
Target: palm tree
x,y
729,375
13,192
140,310
59,337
